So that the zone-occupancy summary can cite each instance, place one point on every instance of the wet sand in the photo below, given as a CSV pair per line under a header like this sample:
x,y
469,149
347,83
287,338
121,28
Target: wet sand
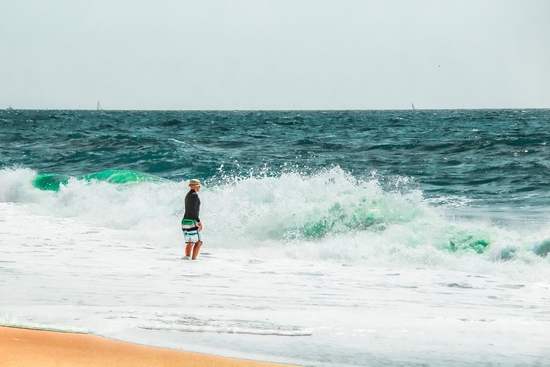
x,y
26,347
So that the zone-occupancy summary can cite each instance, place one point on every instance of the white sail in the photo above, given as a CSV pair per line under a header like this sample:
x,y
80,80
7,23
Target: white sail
x,y
413,106
99,106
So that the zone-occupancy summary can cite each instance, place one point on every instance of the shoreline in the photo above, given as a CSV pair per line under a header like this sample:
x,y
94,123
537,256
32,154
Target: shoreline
x,y
33,347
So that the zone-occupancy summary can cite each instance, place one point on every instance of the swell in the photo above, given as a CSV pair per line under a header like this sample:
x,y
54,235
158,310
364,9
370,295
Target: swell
x,y
437,148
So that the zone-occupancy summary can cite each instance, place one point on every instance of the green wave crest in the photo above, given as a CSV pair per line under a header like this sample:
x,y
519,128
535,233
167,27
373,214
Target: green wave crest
x,y
52,182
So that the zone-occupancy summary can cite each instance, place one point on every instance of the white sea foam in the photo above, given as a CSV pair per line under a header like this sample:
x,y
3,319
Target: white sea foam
x,y
330,216
282,301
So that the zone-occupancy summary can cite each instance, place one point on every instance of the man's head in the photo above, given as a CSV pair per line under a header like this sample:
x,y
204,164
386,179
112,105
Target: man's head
x,y
195,184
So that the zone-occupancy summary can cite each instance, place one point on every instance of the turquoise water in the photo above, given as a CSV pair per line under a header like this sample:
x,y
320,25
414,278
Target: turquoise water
x,y
54,181
489,164
492,156
423,231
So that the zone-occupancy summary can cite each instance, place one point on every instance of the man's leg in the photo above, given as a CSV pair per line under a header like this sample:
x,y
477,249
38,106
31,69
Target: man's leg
x,y
196,250
189,248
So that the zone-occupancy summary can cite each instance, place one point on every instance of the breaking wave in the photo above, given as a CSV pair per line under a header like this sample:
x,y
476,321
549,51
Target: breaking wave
x,y
325,216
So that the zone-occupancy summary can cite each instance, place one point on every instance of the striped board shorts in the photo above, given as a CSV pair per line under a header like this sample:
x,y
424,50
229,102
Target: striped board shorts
x,y
190,230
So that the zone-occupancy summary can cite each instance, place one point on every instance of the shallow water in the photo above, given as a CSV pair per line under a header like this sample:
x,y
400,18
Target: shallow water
x,y
230,303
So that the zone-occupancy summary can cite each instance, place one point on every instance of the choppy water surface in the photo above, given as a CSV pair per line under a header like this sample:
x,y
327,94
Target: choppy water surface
x,y
331,237
491,155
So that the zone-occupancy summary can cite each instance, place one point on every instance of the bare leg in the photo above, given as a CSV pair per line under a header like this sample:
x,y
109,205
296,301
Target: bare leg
x,y
188,248
196,250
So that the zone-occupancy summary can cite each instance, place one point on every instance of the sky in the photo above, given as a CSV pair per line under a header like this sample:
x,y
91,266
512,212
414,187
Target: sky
x,y
274,54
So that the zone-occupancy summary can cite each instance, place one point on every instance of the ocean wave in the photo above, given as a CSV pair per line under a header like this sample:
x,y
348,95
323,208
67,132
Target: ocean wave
x,y
325,216
54,181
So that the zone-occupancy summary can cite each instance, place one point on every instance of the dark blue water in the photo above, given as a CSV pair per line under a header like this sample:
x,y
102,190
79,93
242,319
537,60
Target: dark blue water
x,y
492,157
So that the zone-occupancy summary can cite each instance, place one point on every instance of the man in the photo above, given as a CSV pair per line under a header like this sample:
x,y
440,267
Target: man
x,y
191,224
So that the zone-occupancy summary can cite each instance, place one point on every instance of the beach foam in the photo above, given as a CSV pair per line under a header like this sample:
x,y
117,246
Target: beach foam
x,y
330,216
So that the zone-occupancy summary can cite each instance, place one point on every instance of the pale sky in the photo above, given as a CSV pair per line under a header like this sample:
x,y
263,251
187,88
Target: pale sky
x,y
274,54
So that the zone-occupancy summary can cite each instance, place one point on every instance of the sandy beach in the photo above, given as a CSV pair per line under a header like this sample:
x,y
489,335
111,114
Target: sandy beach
x,y
26,347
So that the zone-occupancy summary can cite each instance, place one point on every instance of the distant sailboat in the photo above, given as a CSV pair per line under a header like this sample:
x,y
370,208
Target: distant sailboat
x,y
9,108
99,106
413,106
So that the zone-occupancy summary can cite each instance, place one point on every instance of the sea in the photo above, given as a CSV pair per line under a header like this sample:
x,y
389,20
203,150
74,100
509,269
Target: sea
x,y
331,238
